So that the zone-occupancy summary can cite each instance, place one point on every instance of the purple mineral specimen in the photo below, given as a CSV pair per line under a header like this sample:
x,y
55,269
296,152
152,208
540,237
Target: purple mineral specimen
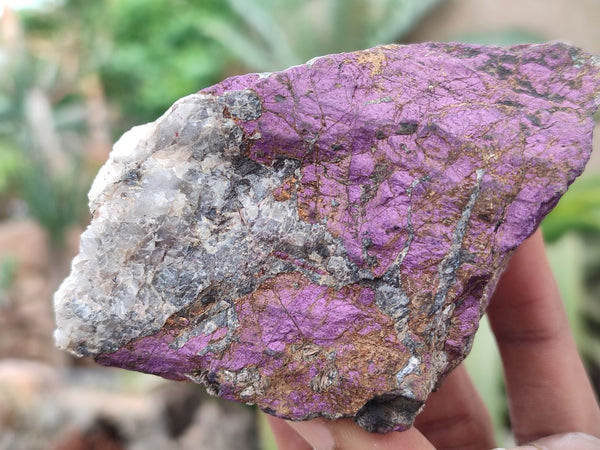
x,y
323,241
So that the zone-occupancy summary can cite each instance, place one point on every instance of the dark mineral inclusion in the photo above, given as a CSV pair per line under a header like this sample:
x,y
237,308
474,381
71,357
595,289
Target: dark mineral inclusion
x,y
323,241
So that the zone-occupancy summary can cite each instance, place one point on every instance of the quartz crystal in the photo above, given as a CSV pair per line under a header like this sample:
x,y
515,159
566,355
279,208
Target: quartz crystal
x,y
323,241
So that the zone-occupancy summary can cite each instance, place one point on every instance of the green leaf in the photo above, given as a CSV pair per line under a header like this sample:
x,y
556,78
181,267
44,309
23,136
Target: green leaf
x,y
279,33
8,271
399,19
566,260
55,201
578,209
263,22
485,368
238,43
502,37
265,435
10,163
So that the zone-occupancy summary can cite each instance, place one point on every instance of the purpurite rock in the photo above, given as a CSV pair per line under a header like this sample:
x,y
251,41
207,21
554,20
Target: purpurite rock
x,y
323,241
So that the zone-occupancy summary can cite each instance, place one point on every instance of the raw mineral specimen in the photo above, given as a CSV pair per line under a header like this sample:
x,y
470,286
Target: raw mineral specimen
x,y
323,241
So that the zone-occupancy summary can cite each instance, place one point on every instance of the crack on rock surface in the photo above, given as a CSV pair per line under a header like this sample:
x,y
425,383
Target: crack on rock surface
x,y
322,241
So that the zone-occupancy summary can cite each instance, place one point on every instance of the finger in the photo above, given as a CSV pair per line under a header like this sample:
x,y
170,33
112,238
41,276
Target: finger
x,y
571,441
547,386
455,416
285,436
345,434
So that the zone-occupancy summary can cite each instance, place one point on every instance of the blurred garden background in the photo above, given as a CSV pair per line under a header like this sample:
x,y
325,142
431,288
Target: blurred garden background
x,y
75,74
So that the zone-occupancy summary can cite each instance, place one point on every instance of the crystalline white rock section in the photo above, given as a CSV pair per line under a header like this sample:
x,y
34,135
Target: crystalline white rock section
x,y
177,210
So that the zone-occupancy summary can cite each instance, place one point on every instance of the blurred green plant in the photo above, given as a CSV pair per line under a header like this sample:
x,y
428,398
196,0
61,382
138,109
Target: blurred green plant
x,y
270,35
578,210
566,259
8,271
485,368
55,200
265,435
501,37
9,164
158,51
42,127
575,260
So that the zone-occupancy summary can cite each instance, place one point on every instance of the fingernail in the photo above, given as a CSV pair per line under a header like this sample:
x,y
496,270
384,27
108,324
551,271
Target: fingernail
x,y
316,433
528,447
522,447
579,441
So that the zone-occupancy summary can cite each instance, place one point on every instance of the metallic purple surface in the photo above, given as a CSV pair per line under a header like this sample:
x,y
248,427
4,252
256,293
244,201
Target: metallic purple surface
x,y
429,164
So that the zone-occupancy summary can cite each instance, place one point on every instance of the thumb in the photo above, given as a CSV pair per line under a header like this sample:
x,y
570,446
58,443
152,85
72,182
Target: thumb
x,y
571,441
345,434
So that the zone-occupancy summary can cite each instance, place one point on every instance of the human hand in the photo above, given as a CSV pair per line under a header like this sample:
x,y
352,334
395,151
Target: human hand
x,y
548,390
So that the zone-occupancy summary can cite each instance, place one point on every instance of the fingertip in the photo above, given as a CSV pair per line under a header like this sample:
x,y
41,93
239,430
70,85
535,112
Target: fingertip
x,y
571,441
345,434
316,433
286,437
547,386
455,415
